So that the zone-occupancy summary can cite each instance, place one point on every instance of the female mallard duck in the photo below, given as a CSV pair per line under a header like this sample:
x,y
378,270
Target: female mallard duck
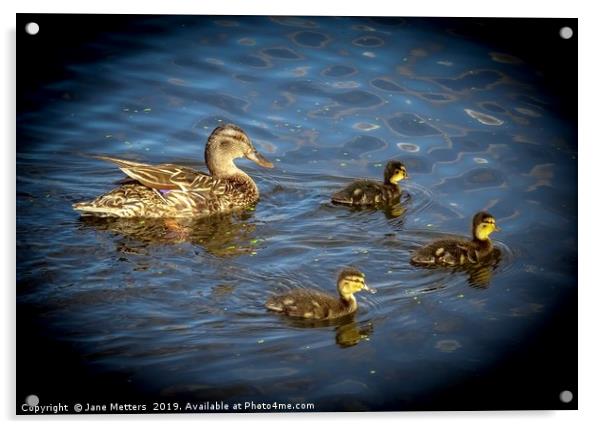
x,y
457,252
172,191
316,305
371,193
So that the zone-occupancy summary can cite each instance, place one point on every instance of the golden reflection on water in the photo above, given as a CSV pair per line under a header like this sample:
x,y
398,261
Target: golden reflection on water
x,y
225,235
347,332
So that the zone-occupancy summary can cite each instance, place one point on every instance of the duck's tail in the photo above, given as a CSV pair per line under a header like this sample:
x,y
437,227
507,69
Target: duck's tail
x,y
422,258
342,197
89,208
274,304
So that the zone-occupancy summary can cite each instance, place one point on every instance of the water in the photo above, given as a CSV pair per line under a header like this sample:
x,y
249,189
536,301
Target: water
x,y
180,314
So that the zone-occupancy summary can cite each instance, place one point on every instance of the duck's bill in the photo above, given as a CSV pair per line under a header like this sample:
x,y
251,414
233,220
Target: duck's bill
x,y
497,229
369,289
259,159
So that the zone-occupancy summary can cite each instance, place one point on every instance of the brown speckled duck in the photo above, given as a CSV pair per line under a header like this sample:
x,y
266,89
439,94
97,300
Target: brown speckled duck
x,y
371,193
316,305
174,191
458,252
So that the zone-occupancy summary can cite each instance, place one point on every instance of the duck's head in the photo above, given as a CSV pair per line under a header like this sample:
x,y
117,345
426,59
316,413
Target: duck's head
x,y
394,172
225,144
483,224
352,280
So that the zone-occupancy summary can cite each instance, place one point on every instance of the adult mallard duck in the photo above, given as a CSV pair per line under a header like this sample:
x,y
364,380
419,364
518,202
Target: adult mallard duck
x,y
459,252
174,191
316,305
372,193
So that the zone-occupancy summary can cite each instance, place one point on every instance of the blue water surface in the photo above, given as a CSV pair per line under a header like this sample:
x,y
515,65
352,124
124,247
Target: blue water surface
x,y
327,100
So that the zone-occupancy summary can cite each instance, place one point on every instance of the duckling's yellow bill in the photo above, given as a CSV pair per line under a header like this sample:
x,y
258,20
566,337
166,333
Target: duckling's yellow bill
x,y
369,289
259,159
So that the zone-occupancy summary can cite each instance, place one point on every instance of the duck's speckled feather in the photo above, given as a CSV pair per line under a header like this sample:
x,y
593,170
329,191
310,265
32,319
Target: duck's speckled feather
x,y
367,192
175,191
194,194
452,253
310,304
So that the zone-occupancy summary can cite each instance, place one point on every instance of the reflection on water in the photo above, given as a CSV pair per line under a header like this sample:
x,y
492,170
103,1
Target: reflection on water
x,y
479,275
179,306
351,334
347,332
220,235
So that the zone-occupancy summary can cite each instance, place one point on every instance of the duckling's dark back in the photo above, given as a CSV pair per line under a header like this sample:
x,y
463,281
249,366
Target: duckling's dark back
x,y
365,193
451,253
308,304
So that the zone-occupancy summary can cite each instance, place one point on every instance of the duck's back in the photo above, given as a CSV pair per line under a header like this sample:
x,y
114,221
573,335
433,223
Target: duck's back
x,y
151,192
450,252
308,304
366,193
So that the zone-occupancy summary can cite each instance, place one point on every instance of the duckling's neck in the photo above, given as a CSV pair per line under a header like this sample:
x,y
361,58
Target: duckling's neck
x,y
392,191
349,300
481,242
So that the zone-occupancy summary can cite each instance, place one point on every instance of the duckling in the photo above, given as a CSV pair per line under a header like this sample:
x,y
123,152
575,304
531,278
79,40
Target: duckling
x,y
316,305
174,191
371,193
457,252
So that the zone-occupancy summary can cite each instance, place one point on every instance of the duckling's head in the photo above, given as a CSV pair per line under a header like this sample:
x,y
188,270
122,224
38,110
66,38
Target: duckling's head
x,y
394,172
226,143
483,224
352,280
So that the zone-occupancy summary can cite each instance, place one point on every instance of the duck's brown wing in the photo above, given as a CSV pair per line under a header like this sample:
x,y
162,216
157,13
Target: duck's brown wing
x,y
163,176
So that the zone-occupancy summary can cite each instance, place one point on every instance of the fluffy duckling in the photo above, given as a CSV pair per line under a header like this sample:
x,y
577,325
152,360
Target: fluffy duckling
x,y
457,252
316,305
371,193
175,191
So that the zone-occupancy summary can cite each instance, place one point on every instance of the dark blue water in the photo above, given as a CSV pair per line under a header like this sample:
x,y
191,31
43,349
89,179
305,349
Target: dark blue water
x,y
327,100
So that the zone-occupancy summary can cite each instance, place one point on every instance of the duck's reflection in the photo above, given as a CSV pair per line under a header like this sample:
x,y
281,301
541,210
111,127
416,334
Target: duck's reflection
x,y
394,211
348,332
220,235
480,275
